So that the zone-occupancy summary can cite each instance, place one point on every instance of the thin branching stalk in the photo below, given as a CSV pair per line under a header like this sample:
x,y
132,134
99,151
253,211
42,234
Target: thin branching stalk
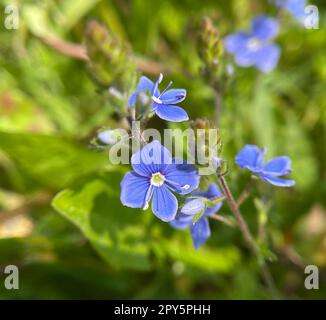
x,y
225,220
266,275
264,270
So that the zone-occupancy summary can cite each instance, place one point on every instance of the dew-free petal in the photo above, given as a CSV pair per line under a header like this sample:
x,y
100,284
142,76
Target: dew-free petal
x,y
133,190
235,42
144,85
182,178
193,207
181,221
164,204
171,113
264,28
173,96
200,232
279,166
212,192
267,57
279,182
295,7
250,157
152,158
245,57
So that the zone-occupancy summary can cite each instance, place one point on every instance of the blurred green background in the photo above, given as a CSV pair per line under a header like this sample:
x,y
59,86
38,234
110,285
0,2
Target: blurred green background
x,y
90,246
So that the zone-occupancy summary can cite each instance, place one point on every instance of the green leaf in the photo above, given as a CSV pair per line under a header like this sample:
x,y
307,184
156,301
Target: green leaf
x,y
222,260
116,232
51,161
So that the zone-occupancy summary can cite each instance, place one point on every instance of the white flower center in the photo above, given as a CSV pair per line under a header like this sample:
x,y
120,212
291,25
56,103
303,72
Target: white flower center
x,y
254,44
157,179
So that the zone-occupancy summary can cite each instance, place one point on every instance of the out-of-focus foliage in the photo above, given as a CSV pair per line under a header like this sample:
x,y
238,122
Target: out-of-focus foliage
x,y
87,245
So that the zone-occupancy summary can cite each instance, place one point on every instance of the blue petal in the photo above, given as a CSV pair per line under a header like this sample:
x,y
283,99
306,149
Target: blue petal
x,y
245,57
200,232
212,192
279,166
250,157
193,207
144,85
133,190
171,113
267,57
181,178
278,181
235,42
181,221
297,8
264,28
152,158
173,96
164,204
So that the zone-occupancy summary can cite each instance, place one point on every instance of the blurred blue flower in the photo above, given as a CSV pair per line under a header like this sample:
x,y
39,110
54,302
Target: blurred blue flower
x,y
200,230
295,7
155,175
255,48
162,102
252,157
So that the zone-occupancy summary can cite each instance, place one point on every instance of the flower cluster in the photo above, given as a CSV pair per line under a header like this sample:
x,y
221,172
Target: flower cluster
x,y
159,180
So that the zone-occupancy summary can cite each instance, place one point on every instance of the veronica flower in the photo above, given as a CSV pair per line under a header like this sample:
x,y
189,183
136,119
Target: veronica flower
x,y
252,157
200,230
255,48
156,175
295,7
162,102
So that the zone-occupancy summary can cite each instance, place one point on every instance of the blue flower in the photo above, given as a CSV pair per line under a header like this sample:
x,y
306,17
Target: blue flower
x,y
252,157
155,175
200,230
255,47
295,7
162,102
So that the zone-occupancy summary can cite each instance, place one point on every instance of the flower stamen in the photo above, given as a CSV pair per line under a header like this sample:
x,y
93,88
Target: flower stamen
x,y
157,179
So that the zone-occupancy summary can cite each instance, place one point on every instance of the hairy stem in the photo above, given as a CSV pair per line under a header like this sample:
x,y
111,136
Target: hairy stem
x,y
246,232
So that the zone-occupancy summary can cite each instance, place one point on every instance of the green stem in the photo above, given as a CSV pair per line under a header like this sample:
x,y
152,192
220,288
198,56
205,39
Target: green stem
x,y
220,218
266,275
